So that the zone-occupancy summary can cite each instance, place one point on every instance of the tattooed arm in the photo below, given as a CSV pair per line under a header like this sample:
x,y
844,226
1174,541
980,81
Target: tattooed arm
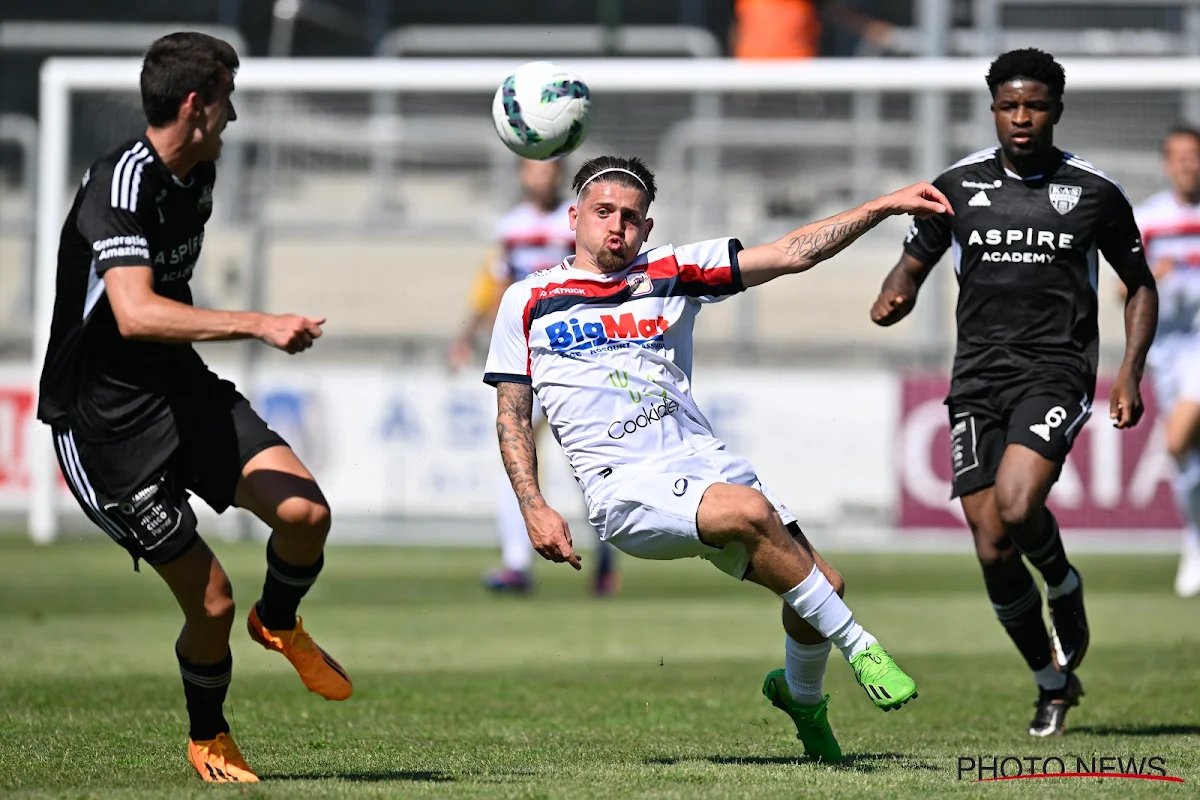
x,y
805,247
548,531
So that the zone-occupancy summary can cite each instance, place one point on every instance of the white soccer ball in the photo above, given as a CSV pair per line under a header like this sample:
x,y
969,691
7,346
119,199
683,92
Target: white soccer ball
x,y
542,111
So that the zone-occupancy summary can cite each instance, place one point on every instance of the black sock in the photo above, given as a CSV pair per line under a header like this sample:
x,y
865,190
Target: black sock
x,y
285,585
204,687
1046,551
1018,606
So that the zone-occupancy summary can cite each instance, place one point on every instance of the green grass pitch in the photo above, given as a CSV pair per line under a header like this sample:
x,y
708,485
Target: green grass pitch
x,y
654,693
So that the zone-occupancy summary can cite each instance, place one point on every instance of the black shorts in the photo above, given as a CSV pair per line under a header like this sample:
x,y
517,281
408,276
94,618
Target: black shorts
x,y
1044,417
146,509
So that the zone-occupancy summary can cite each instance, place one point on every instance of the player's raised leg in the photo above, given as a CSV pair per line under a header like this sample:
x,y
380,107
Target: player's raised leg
x,y
277,488
730,513
202,588
798,688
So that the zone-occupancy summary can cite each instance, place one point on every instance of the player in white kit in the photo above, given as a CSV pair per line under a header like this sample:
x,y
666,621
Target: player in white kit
x,y
1170,226
604,340
534,235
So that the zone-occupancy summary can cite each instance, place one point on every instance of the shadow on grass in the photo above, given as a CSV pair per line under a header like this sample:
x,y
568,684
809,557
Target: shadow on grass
x,y
1135,730
382,776
861,762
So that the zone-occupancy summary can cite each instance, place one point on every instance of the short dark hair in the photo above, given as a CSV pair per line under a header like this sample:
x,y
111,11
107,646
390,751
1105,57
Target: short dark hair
x,y
594,166
1031,64
1182,130
177,65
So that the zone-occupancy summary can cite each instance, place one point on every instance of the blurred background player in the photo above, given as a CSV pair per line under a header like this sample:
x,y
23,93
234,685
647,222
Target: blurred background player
x,y
1170,225
534,235
1025,366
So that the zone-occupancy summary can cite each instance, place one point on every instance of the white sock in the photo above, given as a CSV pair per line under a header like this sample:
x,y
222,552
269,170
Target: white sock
x,y
818,604
805,671
1069,584
1049,678
515,550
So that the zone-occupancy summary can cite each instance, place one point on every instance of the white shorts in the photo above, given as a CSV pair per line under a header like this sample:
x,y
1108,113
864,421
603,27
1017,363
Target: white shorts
x,y
1176,372
653,515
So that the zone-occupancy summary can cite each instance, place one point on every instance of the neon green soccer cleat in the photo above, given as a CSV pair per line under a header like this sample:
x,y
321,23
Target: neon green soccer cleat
x,y
884,682
812,722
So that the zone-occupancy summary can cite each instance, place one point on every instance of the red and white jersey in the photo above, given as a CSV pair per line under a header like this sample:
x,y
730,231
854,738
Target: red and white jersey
x,y
1171,230
610,356
532,240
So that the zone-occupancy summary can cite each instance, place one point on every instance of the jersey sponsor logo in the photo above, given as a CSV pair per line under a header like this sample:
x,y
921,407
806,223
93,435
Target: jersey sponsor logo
x,y
651,414
996,184
557,290
122,247
622,331
181,253
1063,197
980,199
1026,237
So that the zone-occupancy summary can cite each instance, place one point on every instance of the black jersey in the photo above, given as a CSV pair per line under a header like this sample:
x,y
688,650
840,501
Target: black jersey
x,y
130,211
1025,254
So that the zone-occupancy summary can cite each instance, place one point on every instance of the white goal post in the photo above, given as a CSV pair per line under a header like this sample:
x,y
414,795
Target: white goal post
x,y
61,77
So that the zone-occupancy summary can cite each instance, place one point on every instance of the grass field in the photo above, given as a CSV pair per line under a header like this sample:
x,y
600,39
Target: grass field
x,y
654,693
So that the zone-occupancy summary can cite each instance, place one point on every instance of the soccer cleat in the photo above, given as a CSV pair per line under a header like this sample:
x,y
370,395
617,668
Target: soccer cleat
x,y
1052,705
319,671
884,682
812,722
1187,578
1069,633
219,760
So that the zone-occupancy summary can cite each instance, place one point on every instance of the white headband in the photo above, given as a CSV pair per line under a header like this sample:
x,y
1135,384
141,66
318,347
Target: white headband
x,y
613,169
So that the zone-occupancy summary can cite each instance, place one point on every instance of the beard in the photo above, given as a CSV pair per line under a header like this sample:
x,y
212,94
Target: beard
x,y
610,261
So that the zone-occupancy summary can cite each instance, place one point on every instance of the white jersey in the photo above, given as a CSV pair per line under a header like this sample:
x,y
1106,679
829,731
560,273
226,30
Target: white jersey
x,y
1171,230
610,356
532,240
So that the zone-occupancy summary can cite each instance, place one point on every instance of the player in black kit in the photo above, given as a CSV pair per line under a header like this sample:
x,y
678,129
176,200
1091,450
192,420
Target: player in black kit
x,y
140,422
1028,222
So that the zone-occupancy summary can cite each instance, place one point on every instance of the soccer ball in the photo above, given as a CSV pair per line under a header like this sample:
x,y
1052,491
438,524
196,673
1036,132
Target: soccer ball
x,y
542,111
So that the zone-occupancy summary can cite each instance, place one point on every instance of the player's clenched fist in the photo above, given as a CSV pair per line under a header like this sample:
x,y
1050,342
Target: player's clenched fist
x,y
891,307
550,536
289,332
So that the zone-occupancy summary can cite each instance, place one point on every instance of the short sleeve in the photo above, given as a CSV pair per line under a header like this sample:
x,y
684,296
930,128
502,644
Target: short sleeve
x,y
708,271
1119,239
508,356
929,238
112,218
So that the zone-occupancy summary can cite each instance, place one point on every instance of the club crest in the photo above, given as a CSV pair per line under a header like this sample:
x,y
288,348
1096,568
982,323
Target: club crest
x,y
1063,197
639,284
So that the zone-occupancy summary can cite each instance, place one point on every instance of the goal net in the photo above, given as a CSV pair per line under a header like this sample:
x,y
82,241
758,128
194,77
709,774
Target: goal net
x,y
367,191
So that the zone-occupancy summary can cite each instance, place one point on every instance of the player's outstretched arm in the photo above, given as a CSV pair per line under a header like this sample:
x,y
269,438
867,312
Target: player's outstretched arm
x,y
899,292
805,247
548,531
142,313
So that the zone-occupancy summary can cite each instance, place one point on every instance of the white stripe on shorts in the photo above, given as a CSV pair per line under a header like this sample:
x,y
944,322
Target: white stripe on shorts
x,y
72,469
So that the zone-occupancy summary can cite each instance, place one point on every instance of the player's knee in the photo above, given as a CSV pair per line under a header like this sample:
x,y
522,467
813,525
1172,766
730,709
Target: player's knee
x,y
1179,443
219,609
996,557
304,516
757,514
1016,508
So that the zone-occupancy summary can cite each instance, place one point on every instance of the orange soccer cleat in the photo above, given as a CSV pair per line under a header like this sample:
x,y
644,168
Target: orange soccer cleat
x,y
219,760
320,672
